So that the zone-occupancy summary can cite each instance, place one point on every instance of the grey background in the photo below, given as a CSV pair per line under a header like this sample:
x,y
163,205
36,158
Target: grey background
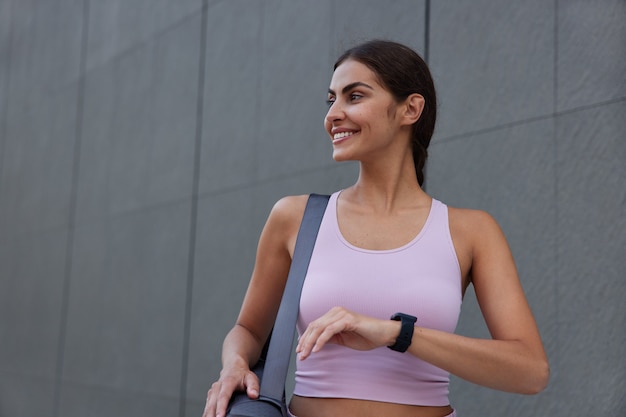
x,y
143,143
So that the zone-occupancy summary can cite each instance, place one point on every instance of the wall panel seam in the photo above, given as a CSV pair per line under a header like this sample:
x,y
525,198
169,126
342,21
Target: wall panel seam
x,y
555,123
5,110
258,88
69,246
505,126
426,31
193,222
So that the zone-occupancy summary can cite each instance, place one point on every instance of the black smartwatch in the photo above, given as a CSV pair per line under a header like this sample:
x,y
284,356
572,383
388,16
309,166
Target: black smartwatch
x,y
406,331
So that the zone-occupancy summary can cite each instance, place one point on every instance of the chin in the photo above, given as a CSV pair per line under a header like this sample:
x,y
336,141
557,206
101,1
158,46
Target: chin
x,y
340,157
343,155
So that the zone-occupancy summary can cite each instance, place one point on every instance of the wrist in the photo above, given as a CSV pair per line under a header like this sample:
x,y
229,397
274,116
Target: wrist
x,y
236,362
405,336
393,333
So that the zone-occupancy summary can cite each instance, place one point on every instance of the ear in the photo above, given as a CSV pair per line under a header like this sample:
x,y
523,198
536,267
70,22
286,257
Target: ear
x,y
412,108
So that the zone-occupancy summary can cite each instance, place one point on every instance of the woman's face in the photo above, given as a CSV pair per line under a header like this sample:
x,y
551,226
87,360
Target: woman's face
x,y
362,118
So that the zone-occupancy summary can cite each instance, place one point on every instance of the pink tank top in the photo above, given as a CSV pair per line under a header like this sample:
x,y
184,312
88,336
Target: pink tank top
x,y
421,278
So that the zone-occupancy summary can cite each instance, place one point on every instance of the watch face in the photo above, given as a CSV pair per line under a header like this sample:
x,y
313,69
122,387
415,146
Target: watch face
x,y
400,316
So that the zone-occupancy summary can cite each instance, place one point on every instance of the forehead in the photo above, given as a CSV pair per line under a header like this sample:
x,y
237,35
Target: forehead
x,y
351,71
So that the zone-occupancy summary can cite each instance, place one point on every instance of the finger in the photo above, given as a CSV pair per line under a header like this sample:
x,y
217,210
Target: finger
x,y
305,344
251,383
209,407
221,404
316,336
335,321
328,333
223,397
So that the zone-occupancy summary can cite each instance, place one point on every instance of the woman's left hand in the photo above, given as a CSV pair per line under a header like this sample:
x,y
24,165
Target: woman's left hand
x,y
346,328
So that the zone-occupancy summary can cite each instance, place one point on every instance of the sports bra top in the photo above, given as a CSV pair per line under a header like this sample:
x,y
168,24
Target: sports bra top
x,y
421,278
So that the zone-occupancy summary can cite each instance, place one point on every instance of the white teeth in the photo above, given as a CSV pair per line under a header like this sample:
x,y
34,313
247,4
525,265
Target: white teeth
x,y
342,135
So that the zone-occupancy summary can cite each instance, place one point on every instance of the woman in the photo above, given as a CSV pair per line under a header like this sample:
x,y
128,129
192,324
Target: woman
x,y
385,247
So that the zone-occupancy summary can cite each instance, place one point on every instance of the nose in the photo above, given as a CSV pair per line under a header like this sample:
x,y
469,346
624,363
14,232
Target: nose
x,y
335,112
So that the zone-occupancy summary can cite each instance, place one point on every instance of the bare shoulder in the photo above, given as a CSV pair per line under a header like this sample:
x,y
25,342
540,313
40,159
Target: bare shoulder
x,y
290,206
289,210
478,240
470,222
271,267
284,220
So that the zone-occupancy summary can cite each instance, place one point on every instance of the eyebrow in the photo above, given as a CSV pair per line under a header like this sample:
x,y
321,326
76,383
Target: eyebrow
x,y
351,86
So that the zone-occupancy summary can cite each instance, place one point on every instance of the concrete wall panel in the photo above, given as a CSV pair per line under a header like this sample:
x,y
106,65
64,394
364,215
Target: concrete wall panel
x,y
38,158
17,393
126,312
118,26
140,125
32,268
224,259
81,400
493,63
232,85
45,47
592,151
591,289
5,50
293,87
356,21
592,54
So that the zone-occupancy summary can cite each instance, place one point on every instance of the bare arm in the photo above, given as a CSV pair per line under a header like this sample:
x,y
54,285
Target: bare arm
x,y
243,344
514,360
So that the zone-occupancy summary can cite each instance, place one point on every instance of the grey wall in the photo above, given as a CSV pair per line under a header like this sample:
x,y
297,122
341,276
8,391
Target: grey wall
x,y
143,143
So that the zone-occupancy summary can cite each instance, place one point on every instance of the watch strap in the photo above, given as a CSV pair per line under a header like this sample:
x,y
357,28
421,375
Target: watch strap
x,y
407,327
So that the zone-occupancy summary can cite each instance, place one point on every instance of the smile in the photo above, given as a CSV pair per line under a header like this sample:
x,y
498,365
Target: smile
x,y
342,135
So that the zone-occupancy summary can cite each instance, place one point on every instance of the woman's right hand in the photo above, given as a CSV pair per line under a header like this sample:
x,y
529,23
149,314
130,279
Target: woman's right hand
x,y
231,380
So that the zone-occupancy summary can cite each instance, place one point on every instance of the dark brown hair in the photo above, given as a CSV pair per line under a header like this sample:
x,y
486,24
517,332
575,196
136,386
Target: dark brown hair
x,y
403,72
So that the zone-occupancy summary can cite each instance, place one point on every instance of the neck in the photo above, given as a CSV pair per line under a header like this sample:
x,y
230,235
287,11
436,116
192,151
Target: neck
x,y
388,186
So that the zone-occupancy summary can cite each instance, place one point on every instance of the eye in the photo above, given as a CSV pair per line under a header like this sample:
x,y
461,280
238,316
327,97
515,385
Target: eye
x,y
355,96
330,101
